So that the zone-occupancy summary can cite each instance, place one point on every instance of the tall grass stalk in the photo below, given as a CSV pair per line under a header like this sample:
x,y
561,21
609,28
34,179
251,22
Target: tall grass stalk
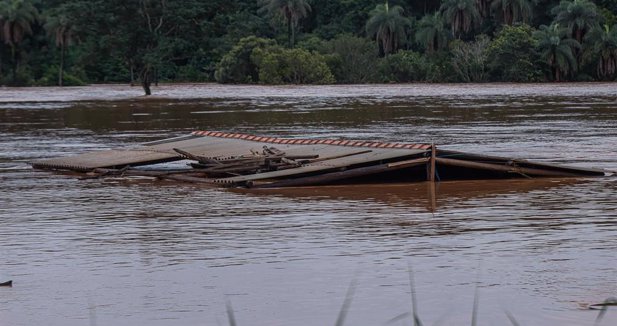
x,y
476,297
346,303
604,307
230,314
512,319
414,300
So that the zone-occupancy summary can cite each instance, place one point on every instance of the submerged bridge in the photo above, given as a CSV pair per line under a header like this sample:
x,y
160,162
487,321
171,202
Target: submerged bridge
x,y
235,159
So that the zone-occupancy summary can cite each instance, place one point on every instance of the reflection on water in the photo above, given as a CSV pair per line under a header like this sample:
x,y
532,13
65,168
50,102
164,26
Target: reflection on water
x,y
135,252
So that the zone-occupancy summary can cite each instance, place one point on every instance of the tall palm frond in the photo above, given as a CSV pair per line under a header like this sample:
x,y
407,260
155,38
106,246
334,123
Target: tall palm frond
x,y
603,43
462,15
291,10
512,11
388,26
579,16
557,48
432,32
17,18
61,29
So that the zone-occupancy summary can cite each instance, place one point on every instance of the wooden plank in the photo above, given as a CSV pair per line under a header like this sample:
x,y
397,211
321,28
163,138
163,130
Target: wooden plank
x,y
342,175
506,168
431,167
375,156
521,162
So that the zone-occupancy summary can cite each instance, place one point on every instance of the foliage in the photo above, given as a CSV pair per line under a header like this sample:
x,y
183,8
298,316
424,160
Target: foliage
x,y
352,59
512,11
16,19
277,65
432,33
557,48
469,59
291,10
512,55
580,16
147,41
50,78
604,51
462,15
17,16
236,66
403,67
60,27
388,26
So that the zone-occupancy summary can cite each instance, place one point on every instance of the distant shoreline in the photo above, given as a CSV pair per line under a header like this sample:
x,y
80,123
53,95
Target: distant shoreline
x,y
197,91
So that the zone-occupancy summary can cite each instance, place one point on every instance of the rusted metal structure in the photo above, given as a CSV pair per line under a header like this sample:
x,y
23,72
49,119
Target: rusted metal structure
x,y
233,159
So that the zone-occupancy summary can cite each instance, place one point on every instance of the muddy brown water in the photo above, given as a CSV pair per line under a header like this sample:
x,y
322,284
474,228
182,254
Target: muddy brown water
x,y
137,252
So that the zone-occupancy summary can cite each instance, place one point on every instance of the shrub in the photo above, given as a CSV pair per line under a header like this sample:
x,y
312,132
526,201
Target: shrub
x,y
50,78
403,66
236,66
512,55
352,59
296,66
469,59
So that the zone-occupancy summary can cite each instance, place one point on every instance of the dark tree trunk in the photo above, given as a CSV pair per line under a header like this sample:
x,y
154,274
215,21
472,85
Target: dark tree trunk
x,y
61,72
14,64
146,81
132,68
146,86
289,32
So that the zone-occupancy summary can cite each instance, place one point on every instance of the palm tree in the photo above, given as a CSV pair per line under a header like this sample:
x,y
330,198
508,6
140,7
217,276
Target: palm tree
x,y
291,10
17,17
512,11
580,16
388,26
61,29
432,32
484,7
3,9
604,48
462,15
557,49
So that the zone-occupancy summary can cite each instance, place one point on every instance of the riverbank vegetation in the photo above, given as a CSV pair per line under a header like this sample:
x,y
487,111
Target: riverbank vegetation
x,y
72,42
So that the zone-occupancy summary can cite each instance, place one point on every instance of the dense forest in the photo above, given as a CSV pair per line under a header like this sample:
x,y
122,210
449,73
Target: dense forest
x,y
72,42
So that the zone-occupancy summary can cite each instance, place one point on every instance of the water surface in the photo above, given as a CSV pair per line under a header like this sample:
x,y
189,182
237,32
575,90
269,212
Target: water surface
x,y
127,252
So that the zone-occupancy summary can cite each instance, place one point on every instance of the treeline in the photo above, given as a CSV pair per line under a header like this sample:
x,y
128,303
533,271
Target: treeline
x,y
72,42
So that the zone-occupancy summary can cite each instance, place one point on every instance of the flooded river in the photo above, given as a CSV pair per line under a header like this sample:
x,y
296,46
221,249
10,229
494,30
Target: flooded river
x,y
143,252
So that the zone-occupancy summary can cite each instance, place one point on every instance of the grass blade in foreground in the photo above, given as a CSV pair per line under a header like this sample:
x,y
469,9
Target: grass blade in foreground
x,y
345,308
230,314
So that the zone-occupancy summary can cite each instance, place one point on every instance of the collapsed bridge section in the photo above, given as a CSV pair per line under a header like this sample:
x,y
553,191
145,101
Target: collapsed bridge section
x,y
234,159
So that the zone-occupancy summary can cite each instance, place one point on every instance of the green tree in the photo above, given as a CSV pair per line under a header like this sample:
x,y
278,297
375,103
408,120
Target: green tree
x,y
352,59
557,48
604,50
237,65
462,15
469,59
484,7
291,66
580,17
148,36
17,19
61,29
512,11
512,55
403,67
388,26
292,11
432,33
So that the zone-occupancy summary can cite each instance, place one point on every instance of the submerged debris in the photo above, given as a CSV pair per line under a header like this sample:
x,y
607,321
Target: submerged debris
x,y
266,162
